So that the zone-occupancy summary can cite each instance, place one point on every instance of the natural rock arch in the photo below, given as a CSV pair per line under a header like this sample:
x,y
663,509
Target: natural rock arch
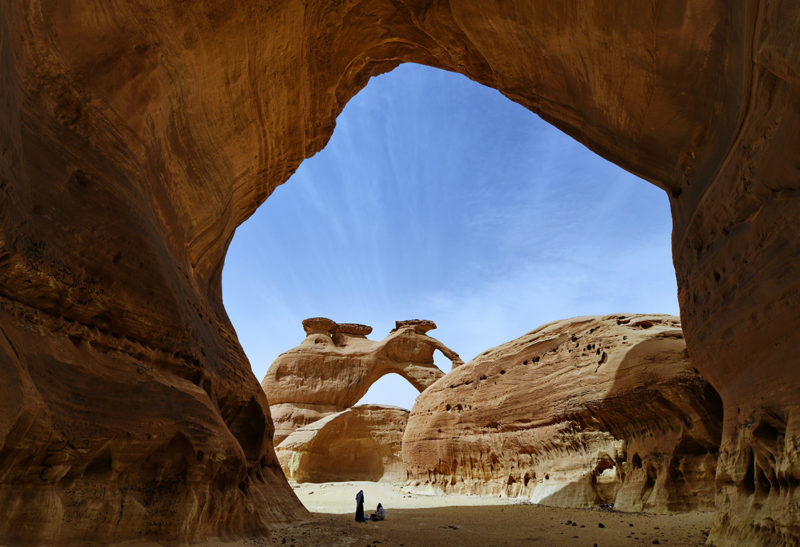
x,y
135,139
335,365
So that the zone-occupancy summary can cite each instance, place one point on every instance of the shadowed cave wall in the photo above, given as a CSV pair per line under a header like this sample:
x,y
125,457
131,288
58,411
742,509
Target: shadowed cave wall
x,y
135,137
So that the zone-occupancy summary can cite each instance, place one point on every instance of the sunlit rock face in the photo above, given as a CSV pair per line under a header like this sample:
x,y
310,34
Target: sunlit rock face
x,y
334,367
135,136
358,444
577,413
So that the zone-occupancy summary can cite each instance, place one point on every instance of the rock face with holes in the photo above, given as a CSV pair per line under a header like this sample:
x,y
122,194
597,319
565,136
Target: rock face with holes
x,y
358,444
336,365
578,413
135,137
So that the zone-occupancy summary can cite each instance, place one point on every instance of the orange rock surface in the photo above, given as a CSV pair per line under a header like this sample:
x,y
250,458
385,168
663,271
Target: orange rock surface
x,y
577,413
334,367
358,444
135,136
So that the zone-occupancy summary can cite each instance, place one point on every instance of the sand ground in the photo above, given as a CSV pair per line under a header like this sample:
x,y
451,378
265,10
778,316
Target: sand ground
x,y
425,520
336,497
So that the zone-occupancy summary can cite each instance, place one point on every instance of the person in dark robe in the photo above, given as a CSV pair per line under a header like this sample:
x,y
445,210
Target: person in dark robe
x,y
379,513
360,506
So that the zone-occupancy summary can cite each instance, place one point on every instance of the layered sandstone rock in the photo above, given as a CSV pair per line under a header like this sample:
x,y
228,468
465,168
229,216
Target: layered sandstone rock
x,y
358,444
578,413
136,136
334,367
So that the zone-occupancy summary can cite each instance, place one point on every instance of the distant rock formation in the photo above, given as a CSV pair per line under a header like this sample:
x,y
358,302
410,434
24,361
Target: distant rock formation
x,y
332,369
579,412
362,443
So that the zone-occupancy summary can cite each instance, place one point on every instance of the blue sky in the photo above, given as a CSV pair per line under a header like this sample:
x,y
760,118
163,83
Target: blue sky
x,y
438,198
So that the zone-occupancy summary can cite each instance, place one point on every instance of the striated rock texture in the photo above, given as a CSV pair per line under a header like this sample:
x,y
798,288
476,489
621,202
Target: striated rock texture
x,y
358,444
135,136
103,436
334,367
577,413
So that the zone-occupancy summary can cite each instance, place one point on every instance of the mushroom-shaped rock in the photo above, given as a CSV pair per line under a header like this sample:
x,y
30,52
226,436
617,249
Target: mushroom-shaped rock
x,y
358,444
580,412
419,325
318,378
319,325
353,329
344,332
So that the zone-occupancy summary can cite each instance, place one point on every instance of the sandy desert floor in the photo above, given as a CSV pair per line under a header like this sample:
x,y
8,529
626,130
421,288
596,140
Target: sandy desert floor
x,y
415,519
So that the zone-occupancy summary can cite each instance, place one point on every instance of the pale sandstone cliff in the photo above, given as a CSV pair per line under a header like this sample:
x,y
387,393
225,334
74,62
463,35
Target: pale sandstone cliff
x,y
578,413
135,136
332,369
358,444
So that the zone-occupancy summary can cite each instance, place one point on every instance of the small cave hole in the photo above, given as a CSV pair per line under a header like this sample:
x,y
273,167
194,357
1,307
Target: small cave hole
x,y
749,475
636,461
766,433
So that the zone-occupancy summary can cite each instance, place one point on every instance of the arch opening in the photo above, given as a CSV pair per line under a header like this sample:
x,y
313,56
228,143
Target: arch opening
x,y
589,234
391,389
395,218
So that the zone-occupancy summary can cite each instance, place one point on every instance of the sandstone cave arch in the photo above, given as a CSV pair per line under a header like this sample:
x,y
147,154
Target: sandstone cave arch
x,y
146,134
370,241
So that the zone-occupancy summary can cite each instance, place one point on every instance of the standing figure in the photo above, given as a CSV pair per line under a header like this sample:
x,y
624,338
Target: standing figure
x,y
360,506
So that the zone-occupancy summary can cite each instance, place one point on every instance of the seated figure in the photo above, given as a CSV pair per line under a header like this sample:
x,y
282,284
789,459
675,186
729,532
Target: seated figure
x,y
379,513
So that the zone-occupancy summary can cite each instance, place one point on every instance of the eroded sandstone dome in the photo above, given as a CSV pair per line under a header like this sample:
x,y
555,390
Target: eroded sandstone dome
x,y
578,413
